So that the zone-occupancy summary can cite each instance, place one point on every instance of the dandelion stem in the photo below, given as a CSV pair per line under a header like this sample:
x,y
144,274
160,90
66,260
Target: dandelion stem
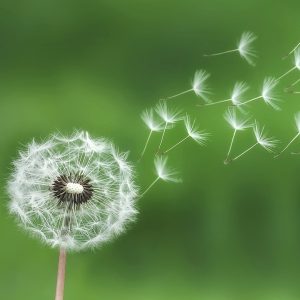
x,y
250,100
162,137
185,92
149,187
171,148
247,150
231,143
61,275
292,140
286,73
220,53
214,103
147,142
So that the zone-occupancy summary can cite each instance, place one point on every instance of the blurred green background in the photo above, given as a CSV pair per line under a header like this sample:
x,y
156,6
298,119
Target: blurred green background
x,y
226,232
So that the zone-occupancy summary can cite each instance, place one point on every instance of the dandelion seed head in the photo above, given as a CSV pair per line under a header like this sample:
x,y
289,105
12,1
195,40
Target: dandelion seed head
x,y
198,136
238,91
245,46
199,84
235,122
266,142
267,92
169,116
74,192
148,118
163,171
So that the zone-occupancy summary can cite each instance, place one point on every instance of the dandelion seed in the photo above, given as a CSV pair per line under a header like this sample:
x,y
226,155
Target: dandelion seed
x,y
199,86
297,121
268,143
292,51
296,64
152,124
169,117
244,48
236,96
267,93
237,125
163,172
192,132
73,192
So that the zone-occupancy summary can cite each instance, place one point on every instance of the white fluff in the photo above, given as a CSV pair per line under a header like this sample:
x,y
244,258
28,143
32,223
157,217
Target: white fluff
x,y
103,216
262,139
193,131
236,123
267,92
199,85
163,171
245,46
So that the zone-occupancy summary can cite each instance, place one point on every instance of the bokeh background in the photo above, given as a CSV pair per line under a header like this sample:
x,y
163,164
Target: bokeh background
x,y
226,232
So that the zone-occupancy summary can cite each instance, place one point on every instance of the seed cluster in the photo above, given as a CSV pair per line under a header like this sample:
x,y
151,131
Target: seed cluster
x,y
72,197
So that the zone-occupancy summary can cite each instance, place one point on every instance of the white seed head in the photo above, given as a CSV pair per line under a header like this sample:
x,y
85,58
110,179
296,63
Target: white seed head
x,y
148,118
235,122
266,142
198,136
73,192
245,46
74,188
297,120
238,90
267,92
199,84
168,115
163,171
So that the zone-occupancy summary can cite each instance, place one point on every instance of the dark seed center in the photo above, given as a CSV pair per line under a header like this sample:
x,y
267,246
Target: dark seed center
x,y
72,190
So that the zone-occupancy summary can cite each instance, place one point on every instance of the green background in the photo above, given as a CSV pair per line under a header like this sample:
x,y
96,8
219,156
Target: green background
x,y
226,232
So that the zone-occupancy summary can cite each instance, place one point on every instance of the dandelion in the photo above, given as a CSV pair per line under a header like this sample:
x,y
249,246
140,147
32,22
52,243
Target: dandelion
x,y
236,96
237,125
169,117
72,192
268,143
297,121
267,93
199,86
152,124
192,132
163,172
292,51
244,48
296,64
